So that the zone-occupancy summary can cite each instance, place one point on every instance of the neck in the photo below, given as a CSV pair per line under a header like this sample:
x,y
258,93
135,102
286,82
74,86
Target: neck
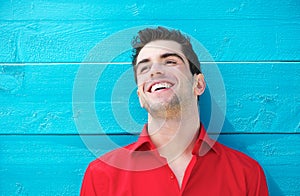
x,y
175,136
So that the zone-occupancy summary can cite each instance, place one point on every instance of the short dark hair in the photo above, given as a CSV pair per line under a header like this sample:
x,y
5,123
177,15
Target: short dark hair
x,y
160,33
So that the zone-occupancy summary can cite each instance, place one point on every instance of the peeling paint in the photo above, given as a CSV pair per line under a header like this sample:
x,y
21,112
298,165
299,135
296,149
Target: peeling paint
x,y
11,80
20,190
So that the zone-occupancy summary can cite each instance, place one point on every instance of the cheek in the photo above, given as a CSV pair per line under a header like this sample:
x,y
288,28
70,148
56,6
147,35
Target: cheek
x,y
140,90
141,96
183,75
140,81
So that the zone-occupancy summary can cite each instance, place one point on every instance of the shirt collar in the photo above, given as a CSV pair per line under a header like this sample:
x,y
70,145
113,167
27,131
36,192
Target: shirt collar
x,y
203,143
144,142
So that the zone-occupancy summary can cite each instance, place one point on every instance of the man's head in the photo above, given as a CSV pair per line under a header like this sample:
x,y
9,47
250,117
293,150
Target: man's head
x,y
148,35
167,80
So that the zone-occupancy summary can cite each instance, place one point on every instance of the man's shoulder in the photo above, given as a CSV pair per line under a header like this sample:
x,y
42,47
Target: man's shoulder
x,y
238,165
237,158
111,158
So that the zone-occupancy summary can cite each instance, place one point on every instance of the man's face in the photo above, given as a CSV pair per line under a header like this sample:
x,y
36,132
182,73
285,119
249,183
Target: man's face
x,y
164,80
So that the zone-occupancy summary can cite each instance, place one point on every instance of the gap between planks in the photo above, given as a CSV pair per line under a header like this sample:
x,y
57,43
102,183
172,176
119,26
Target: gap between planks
x,y
138,133
129,63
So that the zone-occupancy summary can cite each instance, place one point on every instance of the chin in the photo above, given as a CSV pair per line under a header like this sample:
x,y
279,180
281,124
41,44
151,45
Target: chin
x,y
164,108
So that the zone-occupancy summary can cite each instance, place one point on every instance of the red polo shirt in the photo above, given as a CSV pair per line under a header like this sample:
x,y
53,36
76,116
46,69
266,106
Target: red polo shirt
x,y
137,169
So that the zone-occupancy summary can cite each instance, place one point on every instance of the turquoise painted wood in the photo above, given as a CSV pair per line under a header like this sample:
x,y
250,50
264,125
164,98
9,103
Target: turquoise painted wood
x,y
226,40
66,31
148,10
43,44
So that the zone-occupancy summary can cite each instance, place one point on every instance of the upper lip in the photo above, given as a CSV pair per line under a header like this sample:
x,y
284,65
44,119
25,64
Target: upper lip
x,y
149,86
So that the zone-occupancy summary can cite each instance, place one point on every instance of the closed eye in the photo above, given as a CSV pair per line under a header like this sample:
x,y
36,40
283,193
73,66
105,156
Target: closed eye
x,y
172,59
143,68
171,62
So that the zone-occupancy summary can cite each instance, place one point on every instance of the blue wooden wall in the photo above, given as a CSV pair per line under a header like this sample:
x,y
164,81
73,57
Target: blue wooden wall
x,y
45,44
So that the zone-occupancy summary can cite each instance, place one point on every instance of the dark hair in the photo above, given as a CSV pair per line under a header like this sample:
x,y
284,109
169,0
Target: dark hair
x,y
160,33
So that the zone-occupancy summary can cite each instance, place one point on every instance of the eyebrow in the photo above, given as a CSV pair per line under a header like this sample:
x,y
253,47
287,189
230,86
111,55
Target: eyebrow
x,y
163,56
142,61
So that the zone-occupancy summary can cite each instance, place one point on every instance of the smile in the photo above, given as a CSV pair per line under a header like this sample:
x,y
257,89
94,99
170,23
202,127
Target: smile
x,y
159,86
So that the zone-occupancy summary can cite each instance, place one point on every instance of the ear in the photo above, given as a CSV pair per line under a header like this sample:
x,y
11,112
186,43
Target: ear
x,y
199,84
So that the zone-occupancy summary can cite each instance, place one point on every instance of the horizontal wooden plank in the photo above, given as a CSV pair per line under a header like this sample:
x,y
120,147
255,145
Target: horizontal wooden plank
x,y
260,97
145,10
54,165
72,41
263,97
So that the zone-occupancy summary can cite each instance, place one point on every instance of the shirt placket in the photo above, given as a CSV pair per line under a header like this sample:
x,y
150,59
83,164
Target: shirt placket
x,y
187,174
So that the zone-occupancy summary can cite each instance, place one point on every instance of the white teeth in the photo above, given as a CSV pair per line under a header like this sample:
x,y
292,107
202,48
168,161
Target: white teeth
x,y
160,85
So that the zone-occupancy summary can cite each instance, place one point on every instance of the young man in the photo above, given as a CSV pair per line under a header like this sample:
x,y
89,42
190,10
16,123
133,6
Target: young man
x,y
173,155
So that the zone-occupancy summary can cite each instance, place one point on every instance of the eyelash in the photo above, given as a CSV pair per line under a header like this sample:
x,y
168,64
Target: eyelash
x,y
143,69
167,62
170,62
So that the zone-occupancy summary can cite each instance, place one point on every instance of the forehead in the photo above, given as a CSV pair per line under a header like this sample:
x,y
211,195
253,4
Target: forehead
x,y
156,48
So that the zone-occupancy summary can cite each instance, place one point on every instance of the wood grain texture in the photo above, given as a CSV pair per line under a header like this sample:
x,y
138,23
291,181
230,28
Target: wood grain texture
x,y
148,10
54,165
37,99
71,41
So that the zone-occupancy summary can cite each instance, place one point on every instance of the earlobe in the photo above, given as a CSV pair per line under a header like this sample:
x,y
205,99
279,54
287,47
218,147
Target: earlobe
x,y
199,84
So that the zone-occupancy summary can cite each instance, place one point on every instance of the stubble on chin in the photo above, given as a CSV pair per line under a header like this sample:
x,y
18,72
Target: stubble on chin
x,y
170,109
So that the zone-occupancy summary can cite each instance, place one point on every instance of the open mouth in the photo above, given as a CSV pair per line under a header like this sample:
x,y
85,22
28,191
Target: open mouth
x,y
159,86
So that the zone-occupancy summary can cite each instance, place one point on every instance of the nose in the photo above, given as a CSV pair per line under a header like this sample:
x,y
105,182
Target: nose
x,y
156,69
